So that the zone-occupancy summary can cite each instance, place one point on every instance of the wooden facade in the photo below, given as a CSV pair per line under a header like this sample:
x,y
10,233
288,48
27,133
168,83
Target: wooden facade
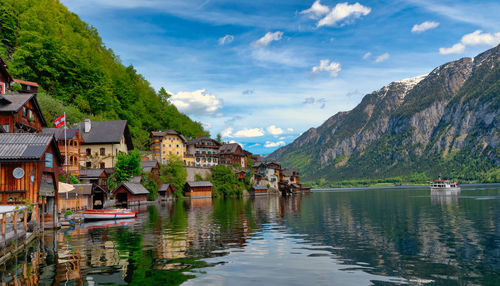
x,y
130,194
166,191
233,155
258,190
38,175
20,113
201,189
71,146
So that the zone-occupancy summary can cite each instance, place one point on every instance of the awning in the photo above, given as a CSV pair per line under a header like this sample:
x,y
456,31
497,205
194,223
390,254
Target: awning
x,y
65,188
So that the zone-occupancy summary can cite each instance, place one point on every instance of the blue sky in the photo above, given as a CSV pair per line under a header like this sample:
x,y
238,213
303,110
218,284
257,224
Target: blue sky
x,y
262,72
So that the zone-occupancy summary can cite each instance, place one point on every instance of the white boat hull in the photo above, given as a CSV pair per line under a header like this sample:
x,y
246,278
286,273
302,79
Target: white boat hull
x,y
444,190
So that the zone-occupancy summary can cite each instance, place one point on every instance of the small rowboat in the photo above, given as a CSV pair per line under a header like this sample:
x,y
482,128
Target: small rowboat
x,y
109,214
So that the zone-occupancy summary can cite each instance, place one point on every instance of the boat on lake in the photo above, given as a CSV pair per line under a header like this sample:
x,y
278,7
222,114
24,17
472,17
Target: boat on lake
x,y
444,186
107,214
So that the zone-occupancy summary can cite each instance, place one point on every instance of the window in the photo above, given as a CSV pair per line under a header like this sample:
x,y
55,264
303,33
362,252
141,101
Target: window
x,y
24,111
88,151
177,152
102,165
198,159
102,151
32,115
164,161
49,160
163,152
28,88
163,145
177,145
88,164
169,145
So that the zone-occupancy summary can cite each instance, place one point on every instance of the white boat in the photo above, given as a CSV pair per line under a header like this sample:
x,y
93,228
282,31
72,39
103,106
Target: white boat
x,y
109,214
444,186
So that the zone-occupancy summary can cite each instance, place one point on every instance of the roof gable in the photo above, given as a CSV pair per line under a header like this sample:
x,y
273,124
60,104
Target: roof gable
x,y
26,146
110,131
135,189
18,100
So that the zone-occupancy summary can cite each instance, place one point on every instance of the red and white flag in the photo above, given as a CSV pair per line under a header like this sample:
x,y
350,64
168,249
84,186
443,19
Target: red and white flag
x,y
60,121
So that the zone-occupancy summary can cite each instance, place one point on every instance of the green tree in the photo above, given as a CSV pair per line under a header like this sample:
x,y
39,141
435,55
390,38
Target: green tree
x,y
174,172
127,166
225,182
150,184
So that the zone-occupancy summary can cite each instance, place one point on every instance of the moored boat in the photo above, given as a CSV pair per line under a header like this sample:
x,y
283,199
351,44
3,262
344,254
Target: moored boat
x,y
444,186
108,214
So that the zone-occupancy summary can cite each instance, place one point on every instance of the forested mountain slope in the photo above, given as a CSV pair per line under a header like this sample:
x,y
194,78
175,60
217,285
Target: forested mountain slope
x,y
444,123
42,41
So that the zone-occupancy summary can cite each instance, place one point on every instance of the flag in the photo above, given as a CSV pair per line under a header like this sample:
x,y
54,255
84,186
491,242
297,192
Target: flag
x,y
60,121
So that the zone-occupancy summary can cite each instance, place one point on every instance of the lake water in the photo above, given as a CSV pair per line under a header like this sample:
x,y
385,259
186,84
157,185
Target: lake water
x,y
338,237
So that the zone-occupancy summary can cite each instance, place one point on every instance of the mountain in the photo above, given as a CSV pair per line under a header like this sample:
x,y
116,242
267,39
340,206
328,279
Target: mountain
x,y
42,41
443,123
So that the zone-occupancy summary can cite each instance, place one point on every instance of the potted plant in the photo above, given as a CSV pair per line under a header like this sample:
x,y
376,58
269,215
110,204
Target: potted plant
x,y
67,214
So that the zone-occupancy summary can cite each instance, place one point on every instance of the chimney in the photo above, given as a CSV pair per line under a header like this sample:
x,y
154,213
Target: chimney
x,y
87,125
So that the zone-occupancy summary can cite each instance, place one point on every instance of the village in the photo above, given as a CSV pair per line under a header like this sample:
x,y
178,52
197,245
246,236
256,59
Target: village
x,y
51,172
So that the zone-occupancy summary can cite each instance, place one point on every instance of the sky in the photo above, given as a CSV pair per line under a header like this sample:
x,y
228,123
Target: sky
x,y
261,73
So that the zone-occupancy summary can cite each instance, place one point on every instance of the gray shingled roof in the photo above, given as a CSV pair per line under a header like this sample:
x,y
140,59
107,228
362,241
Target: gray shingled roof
x,y
199,184
135,189
135,179
83,189
25,146
17,101
91,173
229,148
106,132
59,133
168,132
149,164
163,188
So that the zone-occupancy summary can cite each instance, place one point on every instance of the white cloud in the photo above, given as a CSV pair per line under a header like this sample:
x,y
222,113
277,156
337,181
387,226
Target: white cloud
x,y
427,25
382,57
227,132
289,129
198,102
254,132
344,12
232,141
268,38
475,38
367,55
317,10
273,130
479,38
270,144
455,49
325,65
226,40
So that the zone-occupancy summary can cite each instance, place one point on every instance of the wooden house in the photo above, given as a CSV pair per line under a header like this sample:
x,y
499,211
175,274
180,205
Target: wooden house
x,y
198,189
27,86
290,176
29,166
233,155
152,167
166,191
20,113
68,143
102,142
96,177
130,194
74,197
258,190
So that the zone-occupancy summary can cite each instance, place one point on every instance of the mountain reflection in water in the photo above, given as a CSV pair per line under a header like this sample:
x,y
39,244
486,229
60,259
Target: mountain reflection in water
x,y
363,237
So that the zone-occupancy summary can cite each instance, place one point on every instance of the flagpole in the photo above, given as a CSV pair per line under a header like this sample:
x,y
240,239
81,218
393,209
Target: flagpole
x,y
65,145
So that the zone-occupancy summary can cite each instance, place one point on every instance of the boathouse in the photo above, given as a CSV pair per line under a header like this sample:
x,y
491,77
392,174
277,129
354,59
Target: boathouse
x,y
166,191
258,190
153,168
198,189
74,197
130,194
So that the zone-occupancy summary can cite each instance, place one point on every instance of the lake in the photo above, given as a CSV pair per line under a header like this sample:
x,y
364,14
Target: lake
x,y
359,236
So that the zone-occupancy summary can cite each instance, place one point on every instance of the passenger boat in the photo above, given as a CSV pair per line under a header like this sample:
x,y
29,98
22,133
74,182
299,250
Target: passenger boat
x,y
109,214
444,186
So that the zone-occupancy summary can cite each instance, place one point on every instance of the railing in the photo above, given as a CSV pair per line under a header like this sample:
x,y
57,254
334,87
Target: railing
x,y
14,223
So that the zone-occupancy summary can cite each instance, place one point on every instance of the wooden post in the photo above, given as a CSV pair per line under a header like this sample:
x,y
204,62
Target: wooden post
x,y
26,219
15,221
42,213
3,224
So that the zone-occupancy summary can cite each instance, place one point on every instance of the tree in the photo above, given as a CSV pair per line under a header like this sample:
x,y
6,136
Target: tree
x,y
225,182
127,166
150,184
219,138
174,173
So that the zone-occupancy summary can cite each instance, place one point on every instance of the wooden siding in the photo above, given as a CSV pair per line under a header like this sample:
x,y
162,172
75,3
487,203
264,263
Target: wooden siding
x,y
198,192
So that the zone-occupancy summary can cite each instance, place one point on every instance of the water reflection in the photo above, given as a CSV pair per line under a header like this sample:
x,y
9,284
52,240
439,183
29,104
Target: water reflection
x,y
348,238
